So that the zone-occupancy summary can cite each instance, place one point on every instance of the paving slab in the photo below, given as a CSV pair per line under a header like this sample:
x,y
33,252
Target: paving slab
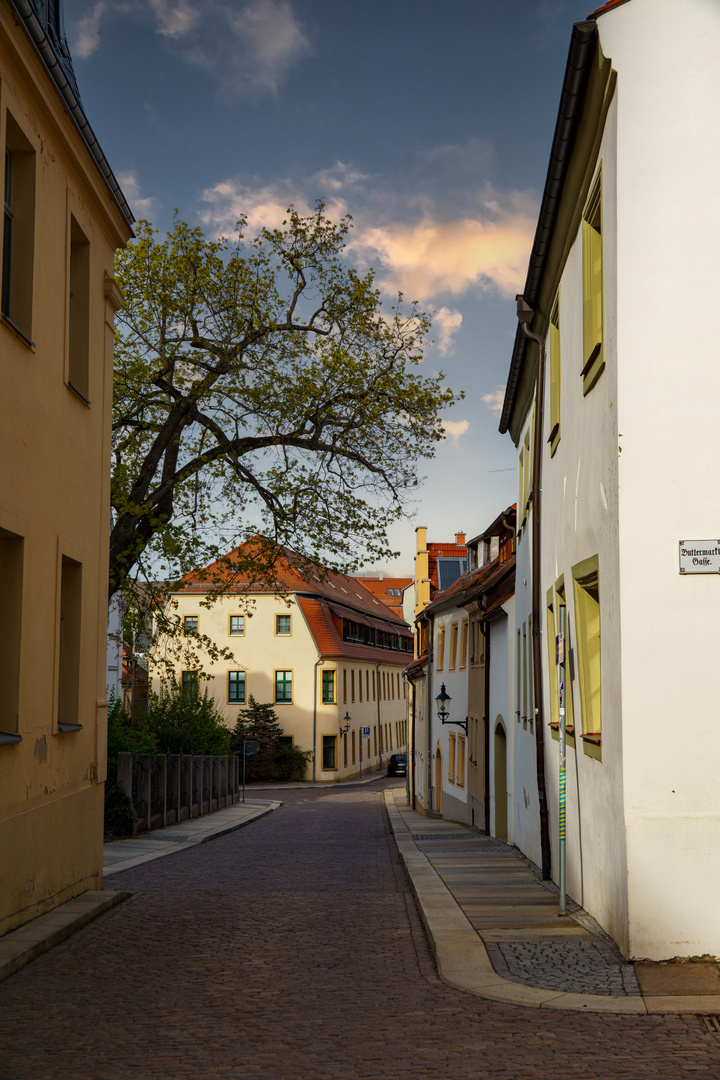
x,y
474,891
121,855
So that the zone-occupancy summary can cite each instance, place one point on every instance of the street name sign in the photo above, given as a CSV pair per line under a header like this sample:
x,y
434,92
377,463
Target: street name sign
x,y
700,556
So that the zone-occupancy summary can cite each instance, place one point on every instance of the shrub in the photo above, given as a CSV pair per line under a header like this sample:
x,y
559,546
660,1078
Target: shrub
x,y
127,734
120,816
291,763
183,725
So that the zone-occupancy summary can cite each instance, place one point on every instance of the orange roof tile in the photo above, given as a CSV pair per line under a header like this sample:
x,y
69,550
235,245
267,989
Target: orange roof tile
x,y
328,639
380,586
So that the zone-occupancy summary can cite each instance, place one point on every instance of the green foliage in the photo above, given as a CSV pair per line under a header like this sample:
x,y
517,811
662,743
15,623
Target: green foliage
x,y
173,724
260,380
120,816
126,734
183,725
291,763
258,721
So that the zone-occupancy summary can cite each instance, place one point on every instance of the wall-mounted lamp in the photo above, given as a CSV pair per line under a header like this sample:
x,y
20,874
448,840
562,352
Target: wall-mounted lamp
x,y
442,711
348,720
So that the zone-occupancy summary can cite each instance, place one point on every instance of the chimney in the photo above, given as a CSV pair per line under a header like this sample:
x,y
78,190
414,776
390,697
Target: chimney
x,y
460,539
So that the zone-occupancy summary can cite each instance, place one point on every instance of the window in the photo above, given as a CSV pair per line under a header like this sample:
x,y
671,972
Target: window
x,y
373,685
344,686
518,677
353,745
449,570
283,687
360,686
451,757
79,312
453,646
237,626
462,660
69,653
554,437
18,230
352,684
328,687
440,658
345,757
552,663
367,685
236,687
593,352
283,625
460,770
525,675
190,685
587,622
11,590
190,625
285,740
569,714
329,752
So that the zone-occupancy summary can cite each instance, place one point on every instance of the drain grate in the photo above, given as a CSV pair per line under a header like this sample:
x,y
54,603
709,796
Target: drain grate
x,y
712,1024
445,836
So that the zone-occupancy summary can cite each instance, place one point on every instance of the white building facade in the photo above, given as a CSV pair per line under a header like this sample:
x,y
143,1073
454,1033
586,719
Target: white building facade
x,y
623,281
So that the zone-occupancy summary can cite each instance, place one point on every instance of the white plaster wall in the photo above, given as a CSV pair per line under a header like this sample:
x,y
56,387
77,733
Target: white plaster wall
x,y
668,274
501,703
524,825
456,685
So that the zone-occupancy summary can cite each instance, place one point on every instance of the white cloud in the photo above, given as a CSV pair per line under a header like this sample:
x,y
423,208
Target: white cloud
x,y
447,322
141,206
426,257
455,428
494,400
250,46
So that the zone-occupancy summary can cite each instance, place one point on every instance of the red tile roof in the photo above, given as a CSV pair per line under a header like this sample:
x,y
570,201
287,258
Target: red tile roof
x,y
290,573
328,637
380,586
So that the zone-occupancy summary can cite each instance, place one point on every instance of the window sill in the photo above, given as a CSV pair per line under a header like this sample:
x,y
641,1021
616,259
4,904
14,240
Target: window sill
x,y
65,727
593,737
17,331
78,393
8,738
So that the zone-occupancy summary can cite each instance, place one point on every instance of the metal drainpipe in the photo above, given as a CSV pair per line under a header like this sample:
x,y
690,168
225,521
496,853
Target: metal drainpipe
x,y
407,683
525,315
485,631
317,664
428,710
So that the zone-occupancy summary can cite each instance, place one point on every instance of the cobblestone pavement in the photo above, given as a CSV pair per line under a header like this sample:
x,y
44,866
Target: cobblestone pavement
x,y
578,967
291,950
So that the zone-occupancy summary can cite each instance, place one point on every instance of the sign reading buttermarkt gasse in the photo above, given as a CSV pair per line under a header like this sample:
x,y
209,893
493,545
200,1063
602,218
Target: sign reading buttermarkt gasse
x,y
700,556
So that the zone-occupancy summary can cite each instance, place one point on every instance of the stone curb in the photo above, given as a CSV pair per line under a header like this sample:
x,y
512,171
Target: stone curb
x,y
19,947
204,834
462,960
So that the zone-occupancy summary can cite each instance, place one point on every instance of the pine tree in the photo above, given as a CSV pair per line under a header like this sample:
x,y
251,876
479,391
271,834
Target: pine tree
x,y
260,722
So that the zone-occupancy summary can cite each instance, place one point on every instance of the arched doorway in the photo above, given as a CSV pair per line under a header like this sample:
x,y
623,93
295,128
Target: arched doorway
x,y
438,780
500,782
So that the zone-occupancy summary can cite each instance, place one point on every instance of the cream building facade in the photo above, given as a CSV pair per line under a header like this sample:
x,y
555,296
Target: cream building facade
x,y
323,650
64,217
623,277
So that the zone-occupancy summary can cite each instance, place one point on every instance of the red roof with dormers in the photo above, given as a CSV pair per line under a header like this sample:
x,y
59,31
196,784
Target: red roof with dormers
x,y
380,588
325,598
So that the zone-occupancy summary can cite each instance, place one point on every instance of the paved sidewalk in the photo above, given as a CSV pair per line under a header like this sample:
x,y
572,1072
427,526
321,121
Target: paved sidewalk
x,y
495,932
120,855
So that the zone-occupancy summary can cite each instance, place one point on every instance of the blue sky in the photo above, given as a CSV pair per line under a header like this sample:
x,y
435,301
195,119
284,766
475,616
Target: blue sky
x,y
430,122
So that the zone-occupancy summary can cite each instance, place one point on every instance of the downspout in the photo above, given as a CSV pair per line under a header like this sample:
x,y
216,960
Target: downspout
x,y
525,315
428,710
411,770
317,664
485,631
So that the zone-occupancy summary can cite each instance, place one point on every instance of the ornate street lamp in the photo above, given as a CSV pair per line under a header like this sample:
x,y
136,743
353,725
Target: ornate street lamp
x,y
442,711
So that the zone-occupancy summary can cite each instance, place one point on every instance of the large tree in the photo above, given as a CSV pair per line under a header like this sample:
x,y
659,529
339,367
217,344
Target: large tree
x,y
260,386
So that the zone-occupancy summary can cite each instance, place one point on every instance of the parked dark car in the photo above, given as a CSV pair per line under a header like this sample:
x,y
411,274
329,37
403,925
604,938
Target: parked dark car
x,y
397,765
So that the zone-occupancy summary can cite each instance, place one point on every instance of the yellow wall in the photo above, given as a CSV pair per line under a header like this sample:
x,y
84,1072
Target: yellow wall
x,y
260,652
54,495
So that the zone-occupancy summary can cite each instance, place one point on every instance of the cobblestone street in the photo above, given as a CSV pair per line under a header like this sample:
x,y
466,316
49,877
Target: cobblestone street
x,y
292,950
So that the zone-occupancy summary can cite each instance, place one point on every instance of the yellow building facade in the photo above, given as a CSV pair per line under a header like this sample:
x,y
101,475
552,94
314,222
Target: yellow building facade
x,y
64,218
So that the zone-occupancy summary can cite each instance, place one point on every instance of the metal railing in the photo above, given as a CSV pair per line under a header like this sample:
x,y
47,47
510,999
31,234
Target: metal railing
x,y
166,789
